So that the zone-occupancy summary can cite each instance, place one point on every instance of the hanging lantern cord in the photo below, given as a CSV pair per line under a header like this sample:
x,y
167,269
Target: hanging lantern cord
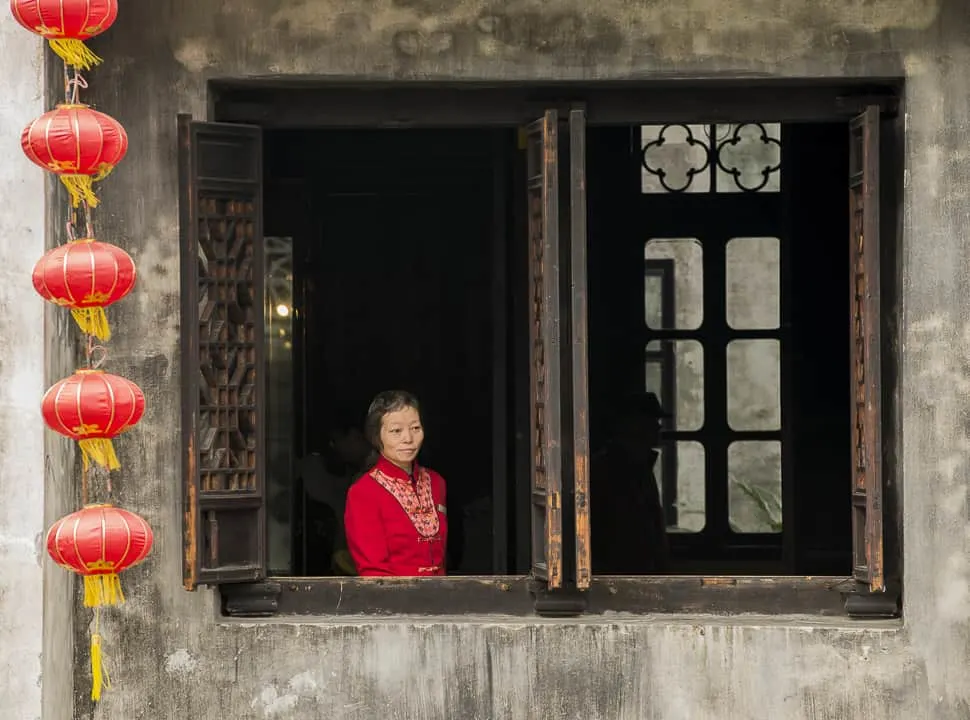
x,y
71,224
97,354
73,83
88,225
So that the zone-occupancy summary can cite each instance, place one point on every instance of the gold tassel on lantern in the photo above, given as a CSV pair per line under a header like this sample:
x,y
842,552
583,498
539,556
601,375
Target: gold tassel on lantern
x,y
93,321
75,53
99,542
99,675
102,590
79,187
100,451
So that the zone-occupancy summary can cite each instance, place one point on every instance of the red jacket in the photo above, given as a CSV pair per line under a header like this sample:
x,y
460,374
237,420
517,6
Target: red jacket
x,y
395,525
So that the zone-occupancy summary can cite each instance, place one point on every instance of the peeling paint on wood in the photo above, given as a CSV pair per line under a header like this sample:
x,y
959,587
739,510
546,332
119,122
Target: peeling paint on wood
x,y
866,351
580,337
544,367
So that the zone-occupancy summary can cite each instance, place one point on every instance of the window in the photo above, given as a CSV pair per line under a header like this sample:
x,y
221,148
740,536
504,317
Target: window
x,y
738,158
713,336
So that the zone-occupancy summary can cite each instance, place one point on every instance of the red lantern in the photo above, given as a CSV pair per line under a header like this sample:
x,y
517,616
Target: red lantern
x,y
80,145
86,276
92,407
66,24
98,542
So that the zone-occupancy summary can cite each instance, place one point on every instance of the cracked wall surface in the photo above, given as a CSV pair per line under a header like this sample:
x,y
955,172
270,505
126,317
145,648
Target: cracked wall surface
x,y
23,473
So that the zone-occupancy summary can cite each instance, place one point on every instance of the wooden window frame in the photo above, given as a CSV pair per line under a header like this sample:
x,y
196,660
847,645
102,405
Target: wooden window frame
x,y
664,269
242,102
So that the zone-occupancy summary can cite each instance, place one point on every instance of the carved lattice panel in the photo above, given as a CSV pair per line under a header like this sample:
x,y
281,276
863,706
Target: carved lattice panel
x,y
227,346
538,359
222,352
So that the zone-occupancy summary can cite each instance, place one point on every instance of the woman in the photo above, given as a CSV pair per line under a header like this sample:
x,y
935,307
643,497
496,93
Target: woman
x,y
395,520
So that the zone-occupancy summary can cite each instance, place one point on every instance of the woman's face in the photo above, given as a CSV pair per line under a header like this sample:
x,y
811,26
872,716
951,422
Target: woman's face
x,y
401,436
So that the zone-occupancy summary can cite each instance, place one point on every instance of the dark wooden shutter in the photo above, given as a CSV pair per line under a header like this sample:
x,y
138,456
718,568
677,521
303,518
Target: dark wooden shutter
x,y
220,212
544,366
867,495
579,336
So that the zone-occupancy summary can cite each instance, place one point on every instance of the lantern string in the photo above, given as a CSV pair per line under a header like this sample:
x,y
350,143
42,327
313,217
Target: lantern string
x,y
67,83
88,224
73,83
79,82
95,355
79,219
102,355
72,222
84,486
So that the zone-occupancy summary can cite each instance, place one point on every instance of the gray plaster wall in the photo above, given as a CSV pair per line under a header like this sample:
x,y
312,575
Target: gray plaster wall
x,y
35,610
173,659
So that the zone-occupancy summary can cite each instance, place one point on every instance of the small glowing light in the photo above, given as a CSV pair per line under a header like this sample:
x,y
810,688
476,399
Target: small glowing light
x,y
282,310
288,345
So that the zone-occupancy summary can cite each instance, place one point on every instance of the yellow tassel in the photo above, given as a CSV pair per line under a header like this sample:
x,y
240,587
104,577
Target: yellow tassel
x,y
75,53
100,451
93,321
103,171
101,590
99,675
79,187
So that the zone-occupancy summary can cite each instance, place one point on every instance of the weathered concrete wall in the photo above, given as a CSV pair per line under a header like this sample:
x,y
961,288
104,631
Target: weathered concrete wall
x,y
29,651
174,660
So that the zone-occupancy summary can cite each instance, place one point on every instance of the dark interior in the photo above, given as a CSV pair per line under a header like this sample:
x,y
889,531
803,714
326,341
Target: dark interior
x,y
409,272
396,284
810,216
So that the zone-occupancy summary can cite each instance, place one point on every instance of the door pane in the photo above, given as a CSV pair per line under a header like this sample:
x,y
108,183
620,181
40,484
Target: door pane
x,y
754,384
748,157
676,301
279,399
753,279
674,370
675,158
653,290
754,474
680,477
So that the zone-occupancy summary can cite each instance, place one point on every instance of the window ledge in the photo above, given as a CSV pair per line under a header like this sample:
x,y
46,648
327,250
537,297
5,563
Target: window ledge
x,y
793,623
804,601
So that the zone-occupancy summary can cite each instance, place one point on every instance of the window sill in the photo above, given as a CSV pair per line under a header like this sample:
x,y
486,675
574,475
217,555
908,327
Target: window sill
x,y
610,598
789,622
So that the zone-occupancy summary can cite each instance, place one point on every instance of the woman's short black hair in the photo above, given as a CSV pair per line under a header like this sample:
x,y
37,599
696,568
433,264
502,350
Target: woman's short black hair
x,y
386,402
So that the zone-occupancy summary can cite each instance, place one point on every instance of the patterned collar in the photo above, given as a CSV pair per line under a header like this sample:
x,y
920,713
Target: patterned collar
x,y
415,499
